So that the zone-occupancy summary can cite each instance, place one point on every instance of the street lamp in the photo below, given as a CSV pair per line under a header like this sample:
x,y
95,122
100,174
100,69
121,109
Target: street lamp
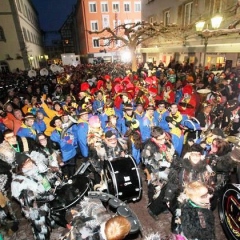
x,y
215,22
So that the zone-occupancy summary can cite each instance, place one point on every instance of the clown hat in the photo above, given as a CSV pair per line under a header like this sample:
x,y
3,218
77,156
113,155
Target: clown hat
x,y
84,87
187,89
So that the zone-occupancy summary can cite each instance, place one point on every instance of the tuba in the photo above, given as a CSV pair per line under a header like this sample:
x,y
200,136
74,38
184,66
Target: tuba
x,y
32,73
142,91
44,72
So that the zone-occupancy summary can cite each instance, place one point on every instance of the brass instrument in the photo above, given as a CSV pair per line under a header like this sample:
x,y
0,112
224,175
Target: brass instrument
x,y
228,128
206,133
141,92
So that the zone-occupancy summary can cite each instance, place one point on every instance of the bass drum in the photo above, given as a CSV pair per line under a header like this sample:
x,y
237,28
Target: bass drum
x,y
229,211
71,193
123,178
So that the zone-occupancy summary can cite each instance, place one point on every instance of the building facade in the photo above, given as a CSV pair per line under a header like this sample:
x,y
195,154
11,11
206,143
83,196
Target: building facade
x,y
20,36
187,45
97,15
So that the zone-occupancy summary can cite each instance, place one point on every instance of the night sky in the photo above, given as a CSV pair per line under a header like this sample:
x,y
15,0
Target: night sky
x,y
53,13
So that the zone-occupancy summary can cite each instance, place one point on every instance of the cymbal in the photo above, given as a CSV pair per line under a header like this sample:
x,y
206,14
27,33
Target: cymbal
x,y
233,139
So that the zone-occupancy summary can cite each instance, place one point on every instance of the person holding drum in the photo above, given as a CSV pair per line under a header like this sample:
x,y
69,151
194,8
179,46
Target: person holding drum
x,y
31,187
157,155
187,104
91,220
113,147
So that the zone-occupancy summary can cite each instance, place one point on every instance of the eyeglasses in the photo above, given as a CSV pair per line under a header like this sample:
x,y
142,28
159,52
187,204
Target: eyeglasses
x,y
112,139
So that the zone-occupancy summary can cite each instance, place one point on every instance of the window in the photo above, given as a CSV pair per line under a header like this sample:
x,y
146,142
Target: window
x,y
96,42
104,7
116,23
2,36
29,37
106,42
92,7
32,37
19,7
166,20
105,21
126,7
25,34
187,13
137,6
118,43
213,6
115,7
94,25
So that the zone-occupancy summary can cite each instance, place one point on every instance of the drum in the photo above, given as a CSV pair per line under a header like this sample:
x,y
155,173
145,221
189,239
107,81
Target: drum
x,y
71,193
229,211
117,207
203,94
123,178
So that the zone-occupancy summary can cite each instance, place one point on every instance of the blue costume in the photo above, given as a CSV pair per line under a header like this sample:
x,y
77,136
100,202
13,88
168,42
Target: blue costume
x,y
25,131
145,127
66,143
39,126
82,132
98,106
160,118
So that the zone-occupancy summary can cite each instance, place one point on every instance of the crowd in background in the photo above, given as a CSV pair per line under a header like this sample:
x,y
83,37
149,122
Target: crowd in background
x,y
173,121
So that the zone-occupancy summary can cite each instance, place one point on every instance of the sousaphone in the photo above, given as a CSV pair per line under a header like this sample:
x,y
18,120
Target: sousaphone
x,y
54,68
32,73
44,72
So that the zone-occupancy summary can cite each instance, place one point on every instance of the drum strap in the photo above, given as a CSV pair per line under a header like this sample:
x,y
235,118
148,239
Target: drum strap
x,y
25,144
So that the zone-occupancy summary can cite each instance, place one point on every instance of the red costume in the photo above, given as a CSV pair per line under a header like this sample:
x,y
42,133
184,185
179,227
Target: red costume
x,y
168,94
187,104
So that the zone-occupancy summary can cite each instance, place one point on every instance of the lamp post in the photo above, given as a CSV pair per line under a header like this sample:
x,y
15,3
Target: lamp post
x,y
215,22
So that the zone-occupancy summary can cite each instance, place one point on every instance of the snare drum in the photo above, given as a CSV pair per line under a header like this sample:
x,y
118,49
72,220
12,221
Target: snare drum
x,y
71,193
123,178
229,211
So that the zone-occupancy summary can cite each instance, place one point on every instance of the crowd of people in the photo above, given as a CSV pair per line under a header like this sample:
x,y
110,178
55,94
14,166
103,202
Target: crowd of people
x,y
174,124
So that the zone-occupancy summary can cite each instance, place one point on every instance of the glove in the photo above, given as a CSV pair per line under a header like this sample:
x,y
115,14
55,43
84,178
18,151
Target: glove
x,y
51,197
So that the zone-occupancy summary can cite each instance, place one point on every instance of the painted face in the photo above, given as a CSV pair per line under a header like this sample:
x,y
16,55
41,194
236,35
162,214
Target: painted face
x,y
112,141
202,197
195,157
124,98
